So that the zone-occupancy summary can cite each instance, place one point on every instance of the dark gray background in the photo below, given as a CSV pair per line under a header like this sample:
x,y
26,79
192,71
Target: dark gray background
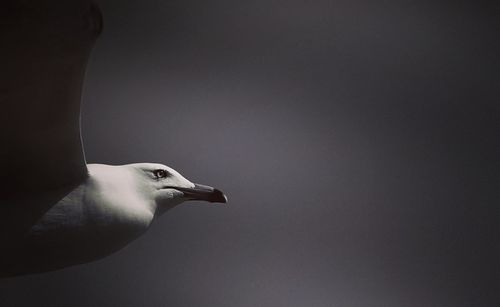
x,y
358,143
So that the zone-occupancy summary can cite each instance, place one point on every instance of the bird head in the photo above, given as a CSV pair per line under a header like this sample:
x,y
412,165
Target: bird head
x,y
168,188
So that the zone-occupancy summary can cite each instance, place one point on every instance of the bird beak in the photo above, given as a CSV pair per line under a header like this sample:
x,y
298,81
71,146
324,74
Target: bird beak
x,y
203,192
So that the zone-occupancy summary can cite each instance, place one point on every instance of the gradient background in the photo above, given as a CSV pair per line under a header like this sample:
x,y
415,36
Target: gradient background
x,y
358,143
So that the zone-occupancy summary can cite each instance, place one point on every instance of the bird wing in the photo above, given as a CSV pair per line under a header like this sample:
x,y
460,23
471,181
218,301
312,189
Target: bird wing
x,y
45,46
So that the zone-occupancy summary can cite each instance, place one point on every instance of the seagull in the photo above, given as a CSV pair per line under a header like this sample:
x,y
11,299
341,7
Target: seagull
x,y
56,210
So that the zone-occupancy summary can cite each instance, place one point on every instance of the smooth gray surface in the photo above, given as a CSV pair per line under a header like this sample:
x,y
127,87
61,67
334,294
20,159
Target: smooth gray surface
x,y
357,142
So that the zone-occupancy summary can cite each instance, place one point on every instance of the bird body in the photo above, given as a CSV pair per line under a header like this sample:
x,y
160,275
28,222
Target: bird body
x,y
55,209
109,196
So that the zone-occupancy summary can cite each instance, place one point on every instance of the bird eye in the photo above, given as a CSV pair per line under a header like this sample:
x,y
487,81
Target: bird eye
x,y
160,173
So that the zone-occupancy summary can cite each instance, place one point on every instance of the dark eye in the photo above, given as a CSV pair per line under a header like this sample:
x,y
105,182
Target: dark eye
x,y
160,173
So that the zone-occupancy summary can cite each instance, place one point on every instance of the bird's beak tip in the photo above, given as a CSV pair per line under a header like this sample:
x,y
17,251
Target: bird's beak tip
x,y
219,197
